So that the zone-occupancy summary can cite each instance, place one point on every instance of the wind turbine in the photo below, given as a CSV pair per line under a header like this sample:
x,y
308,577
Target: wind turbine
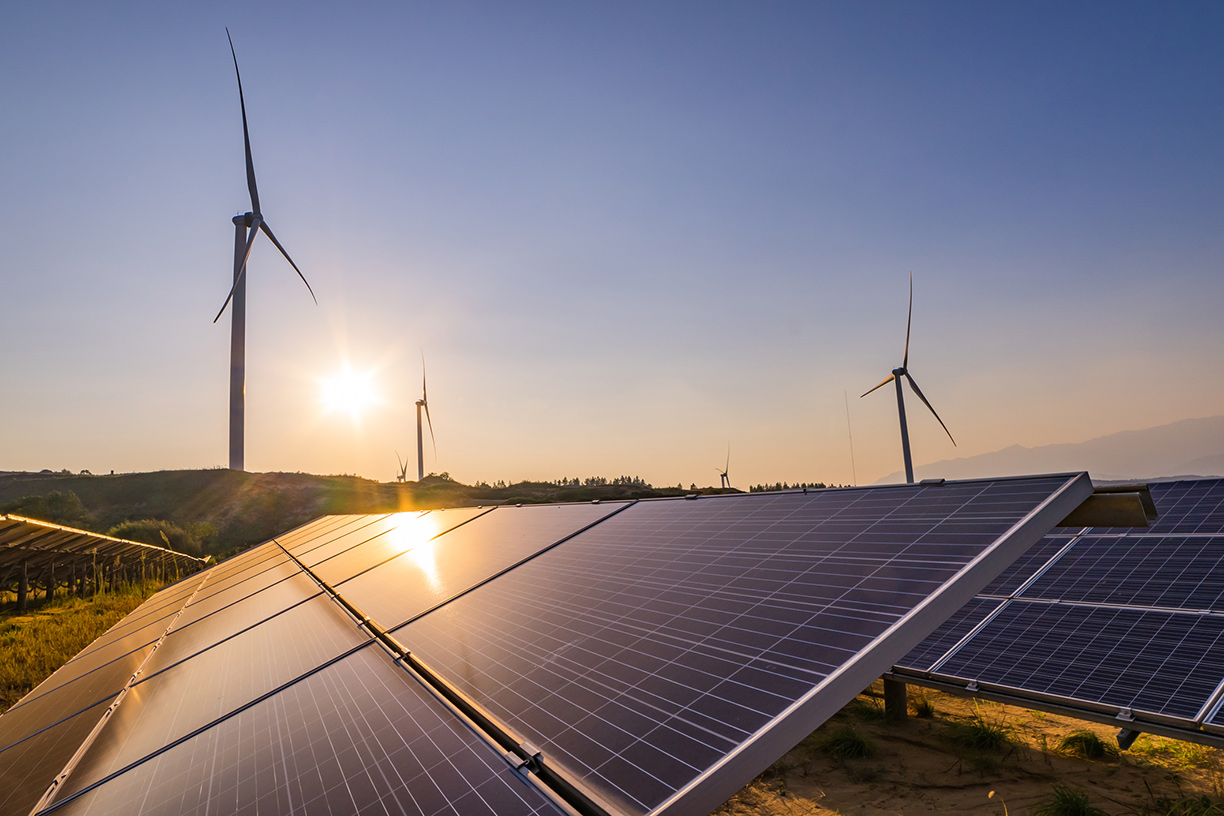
x,y
722,474
895,376
252,223
423,402
403,471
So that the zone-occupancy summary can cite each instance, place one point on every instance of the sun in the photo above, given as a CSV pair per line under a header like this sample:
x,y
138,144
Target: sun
x,y
348,392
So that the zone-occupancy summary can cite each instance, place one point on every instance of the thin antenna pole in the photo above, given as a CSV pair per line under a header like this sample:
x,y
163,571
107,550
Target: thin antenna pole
x,y
853,473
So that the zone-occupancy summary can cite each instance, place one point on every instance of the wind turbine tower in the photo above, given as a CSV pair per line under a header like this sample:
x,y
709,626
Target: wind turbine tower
x,y
246,228
896,376
423,403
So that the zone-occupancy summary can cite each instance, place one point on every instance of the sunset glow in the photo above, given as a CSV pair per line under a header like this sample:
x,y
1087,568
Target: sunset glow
x,y
348,392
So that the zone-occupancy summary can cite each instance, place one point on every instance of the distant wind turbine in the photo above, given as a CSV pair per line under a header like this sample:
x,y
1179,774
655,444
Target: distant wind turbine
x,y
423,402
252,222
895,376
723,473
403,471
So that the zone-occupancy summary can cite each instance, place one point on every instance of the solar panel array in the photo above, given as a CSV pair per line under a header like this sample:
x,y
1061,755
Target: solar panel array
x,y
37,552
1117,625
625,657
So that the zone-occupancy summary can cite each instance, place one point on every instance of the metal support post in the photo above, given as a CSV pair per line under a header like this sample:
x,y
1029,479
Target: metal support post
x,y
896,703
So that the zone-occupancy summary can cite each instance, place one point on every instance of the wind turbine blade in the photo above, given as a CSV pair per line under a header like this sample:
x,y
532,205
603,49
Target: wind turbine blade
x,y
908,321
242,272
431,433
246,135
263,225
728,466
887,380
403,467
424,392
927,403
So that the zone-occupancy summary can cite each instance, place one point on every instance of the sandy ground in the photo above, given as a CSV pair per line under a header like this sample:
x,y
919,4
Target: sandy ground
x,y
919,767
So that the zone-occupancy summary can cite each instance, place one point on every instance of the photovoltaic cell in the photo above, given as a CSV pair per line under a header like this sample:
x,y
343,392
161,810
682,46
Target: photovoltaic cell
x,y
407,531
312,551
432,571
28,768
251,586
924,656
1026,566
278,601
639,653
1171,572
1160,662
357,737
40,708
168,705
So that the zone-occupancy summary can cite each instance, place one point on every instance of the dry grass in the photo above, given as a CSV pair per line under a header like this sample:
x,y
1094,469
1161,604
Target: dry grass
x,y
34,644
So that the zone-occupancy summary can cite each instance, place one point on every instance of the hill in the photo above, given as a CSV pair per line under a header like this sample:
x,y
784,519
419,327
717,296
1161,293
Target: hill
x,y
248,508
1191,447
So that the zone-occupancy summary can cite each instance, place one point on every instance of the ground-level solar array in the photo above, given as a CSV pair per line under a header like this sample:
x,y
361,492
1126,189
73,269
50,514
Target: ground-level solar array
x,y
624,657
1123,626
37,554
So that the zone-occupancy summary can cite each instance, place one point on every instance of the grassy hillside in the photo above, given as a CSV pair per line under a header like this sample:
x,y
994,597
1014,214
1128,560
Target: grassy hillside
x,y
247,508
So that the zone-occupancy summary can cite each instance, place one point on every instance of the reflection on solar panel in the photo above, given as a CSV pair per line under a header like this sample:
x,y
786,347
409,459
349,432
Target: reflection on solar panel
x,y
615,658
1113,625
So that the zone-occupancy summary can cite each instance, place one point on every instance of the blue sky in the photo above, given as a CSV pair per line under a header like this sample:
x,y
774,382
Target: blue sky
x,y
624,235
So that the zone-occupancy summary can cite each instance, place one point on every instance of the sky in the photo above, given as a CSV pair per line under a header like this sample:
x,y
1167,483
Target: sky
x,y
625,236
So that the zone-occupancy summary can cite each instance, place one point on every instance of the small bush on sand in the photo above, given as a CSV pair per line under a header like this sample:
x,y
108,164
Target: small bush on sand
x,y
1067,801
923,707
845,742
1086,744
980,733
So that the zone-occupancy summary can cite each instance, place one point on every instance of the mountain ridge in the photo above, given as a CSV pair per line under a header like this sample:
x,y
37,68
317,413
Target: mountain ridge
x,y
1186,448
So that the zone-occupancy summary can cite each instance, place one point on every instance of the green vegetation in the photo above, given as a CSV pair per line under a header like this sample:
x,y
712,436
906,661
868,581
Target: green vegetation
x,y
1067,801
191,539
1086,744
845,742
36,643
979,732
57,507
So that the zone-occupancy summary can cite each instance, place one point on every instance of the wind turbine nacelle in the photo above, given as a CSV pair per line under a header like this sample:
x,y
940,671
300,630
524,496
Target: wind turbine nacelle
x,y
244,220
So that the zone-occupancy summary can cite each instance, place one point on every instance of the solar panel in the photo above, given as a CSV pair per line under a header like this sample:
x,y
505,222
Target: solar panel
x,y
167,704
352,738
1121,625
651,656
642,652
29,766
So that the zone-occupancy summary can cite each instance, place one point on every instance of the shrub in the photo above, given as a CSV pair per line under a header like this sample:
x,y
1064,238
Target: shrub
x,y
1066,801
190,539
1086,744
980,733
845,742
923,707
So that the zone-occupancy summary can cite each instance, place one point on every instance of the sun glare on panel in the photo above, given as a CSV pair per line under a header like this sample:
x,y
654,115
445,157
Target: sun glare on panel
x,y
348,392
413,535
